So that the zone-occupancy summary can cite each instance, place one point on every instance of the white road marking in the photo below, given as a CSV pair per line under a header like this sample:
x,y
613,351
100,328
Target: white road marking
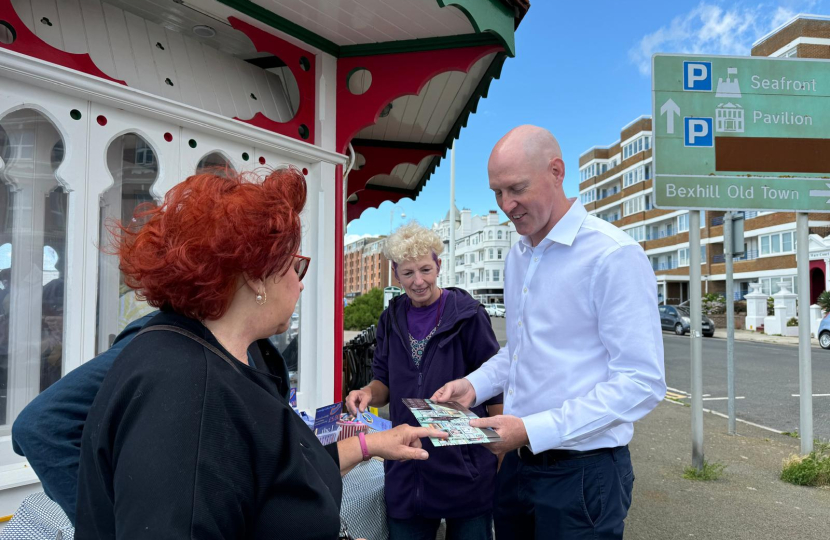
x,y
814,395
721,398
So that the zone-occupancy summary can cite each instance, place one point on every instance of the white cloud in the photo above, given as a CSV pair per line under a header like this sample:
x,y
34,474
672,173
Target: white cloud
x,y
716,28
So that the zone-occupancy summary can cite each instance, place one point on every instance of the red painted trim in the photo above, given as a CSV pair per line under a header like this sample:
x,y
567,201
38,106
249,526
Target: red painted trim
x,y
371,198
393,76
29,44
338,286
817,264
291,55
381,161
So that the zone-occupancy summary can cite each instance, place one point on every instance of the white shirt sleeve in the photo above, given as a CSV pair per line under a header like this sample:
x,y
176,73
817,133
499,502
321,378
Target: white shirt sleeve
x,y
624,295
490,379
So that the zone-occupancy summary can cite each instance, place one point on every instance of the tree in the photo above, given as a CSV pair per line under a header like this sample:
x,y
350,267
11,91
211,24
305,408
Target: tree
x,y
364,311
824,301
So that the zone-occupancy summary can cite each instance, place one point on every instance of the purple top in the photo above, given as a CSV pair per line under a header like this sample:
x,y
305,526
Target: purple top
x,y
421,320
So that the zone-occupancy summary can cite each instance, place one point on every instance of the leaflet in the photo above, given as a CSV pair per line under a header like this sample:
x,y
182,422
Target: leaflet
x,y
453,418
325,419
373,421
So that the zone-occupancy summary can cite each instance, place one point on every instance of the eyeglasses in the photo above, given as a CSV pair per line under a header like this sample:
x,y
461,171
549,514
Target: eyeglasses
x,y
301,265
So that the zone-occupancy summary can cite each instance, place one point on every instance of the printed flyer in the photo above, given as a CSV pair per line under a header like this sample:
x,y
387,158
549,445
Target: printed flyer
x,y
453,418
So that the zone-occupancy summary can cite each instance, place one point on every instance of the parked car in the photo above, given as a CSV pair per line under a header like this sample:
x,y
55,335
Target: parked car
x,y
677,318
495,310
824,332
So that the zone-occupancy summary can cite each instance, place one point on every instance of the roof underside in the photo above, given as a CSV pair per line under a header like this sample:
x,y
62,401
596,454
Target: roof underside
x,y
347,28
356,22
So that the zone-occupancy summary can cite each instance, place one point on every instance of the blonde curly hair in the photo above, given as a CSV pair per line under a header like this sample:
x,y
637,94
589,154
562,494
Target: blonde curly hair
x,y
412,241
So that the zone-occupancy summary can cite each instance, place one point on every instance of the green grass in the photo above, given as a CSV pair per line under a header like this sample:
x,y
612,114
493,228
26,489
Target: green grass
x,y
710,472
810,470
793,434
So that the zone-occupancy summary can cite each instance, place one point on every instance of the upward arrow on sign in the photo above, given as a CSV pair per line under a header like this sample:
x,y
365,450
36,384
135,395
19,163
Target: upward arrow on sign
x,y
671,108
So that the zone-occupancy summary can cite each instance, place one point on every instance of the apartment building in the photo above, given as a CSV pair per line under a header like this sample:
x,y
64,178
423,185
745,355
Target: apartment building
x,y
616,185
481,245
366,267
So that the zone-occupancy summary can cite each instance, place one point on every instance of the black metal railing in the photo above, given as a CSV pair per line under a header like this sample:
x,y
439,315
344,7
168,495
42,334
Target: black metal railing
x,y
357,359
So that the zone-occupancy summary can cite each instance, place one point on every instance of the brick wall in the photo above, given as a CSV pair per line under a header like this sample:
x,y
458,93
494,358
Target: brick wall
x,y
798,28
813,51
611,199
594,153
644,124
587,183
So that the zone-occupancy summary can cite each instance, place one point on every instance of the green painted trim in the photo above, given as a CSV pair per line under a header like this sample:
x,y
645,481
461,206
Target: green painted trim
x,y
373,143
418,45
374,187
493,72
488,16
487,36
284,25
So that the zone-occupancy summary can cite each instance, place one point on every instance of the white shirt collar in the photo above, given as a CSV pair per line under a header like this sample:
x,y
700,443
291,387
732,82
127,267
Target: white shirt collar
x,y
565,230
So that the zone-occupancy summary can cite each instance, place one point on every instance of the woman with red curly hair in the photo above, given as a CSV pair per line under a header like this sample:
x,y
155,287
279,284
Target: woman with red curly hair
x,y
190,435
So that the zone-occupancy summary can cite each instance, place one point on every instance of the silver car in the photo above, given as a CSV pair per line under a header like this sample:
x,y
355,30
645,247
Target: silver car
x,y
495,310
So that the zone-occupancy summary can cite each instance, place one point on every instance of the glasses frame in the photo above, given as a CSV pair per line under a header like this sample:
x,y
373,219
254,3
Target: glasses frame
x,y
301,265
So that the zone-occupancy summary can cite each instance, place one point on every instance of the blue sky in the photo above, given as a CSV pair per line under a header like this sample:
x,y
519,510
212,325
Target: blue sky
x,y
582,70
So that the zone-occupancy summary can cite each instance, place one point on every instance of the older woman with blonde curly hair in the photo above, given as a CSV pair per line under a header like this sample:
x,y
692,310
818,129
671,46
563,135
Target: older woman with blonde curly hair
x,y
424,339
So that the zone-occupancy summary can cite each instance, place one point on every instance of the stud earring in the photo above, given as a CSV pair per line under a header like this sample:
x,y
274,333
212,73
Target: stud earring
x,y
261,298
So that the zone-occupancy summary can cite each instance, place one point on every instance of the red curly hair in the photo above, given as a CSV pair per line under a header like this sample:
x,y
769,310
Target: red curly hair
x,y
211,228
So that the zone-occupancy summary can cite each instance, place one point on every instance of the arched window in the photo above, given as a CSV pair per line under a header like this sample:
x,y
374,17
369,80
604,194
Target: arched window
x,y
134,168
214,162
500,233
489,235
33,240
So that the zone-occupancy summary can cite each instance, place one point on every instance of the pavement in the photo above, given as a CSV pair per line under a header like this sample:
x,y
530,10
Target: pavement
x,y
747,502
749,335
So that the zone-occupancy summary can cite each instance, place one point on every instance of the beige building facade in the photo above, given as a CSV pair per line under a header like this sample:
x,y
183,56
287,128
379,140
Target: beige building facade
x,y
616,184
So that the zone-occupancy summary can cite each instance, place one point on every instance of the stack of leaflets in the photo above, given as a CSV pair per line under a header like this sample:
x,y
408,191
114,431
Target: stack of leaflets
x,y
325,423
453,418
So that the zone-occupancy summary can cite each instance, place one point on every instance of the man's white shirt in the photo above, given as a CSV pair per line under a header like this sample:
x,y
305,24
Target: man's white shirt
x,y
584,354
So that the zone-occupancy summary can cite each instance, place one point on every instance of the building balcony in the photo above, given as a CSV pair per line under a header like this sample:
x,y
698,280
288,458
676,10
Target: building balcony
x,y
485,285
747,215
747,256
664,266
609,199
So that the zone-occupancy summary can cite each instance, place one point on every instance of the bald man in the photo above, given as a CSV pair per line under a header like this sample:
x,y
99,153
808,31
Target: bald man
x,y
584,354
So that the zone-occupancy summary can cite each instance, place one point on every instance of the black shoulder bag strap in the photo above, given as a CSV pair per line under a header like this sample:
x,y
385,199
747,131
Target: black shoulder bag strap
x,y
194,337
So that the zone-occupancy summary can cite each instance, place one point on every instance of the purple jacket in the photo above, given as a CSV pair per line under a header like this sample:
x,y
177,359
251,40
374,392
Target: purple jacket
x,y
456,481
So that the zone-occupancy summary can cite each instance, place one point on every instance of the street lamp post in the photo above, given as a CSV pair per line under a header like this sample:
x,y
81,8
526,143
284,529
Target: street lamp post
x,y
391,217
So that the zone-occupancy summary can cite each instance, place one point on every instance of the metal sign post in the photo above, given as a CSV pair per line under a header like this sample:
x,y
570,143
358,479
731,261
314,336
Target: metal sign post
x,y
805,369
696,316
743,133
730,324
451,262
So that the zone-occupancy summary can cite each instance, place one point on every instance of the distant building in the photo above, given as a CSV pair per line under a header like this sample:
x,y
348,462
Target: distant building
x,y
482,244
616,185
366,267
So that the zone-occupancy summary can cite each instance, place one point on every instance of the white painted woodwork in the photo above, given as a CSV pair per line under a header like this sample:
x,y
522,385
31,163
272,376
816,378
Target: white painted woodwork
x,y
121,38
41,90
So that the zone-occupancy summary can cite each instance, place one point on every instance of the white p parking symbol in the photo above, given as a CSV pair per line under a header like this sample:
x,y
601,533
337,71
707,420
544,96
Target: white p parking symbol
x,y
698,131
697,76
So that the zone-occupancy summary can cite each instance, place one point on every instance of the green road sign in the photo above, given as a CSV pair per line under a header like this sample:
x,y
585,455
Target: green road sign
x,y
741,133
